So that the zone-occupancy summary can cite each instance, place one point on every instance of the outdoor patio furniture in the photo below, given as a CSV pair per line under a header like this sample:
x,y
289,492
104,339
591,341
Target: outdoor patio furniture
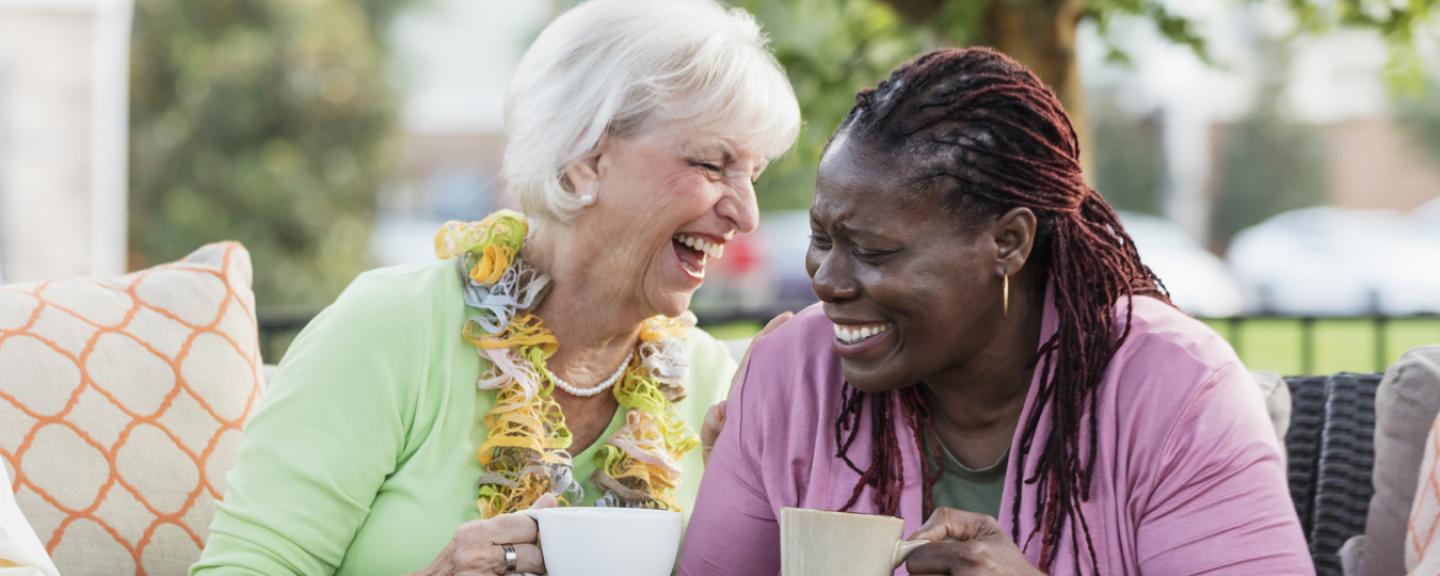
x,y
121,403
1302,443
1343,467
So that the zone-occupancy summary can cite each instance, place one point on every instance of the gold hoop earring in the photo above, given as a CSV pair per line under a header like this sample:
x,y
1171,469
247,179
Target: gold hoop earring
x,y
1005,299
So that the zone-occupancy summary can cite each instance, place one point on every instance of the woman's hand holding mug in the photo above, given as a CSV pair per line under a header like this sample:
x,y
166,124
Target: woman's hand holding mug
x,y
966,543
505,544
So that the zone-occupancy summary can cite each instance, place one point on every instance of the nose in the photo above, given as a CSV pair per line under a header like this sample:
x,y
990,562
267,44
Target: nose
x,y
830,276
740,208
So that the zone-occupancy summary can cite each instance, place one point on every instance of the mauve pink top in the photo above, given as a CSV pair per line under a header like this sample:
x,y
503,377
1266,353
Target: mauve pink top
x,y
1188,476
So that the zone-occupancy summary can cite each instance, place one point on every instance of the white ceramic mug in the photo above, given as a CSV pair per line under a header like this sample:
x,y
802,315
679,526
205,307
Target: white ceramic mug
x,y
595,541
817,542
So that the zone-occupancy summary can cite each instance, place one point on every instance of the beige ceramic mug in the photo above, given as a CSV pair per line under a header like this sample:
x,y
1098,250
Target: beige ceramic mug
x,y
820,543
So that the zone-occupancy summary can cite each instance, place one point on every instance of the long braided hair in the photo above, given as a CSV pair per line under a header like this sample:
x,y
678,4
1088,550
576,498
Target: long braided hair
x,y
989,136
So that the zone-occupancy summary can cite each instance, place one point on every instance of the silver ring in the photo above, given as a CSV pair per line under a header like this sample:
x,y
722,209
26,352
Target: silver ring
x,y
511,558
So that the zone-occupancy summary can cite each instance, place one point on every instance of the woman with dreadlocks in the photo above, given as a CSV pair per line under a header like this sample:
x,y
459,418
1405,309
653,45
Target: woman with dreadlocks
x,y
990,345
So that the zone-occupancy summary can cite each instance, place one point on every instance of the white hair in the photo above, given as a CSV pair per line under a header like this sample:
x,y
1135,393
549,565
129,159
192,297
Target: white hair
x,y
627,66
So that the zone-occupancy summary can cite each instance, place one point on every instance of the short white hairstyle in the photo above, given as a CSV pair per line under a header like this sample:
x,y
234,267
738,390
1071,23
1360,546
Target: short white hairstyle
x,y
624,67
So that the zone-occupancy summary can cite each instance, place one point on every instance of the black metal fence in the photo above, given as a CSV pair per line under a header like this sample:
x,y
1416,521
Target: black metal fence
x,y
279,327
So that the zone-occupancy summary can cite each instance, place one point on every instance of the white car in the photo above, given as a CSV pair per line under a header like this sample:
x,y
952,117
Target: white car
x,y
1198,281
1426,218
1328,261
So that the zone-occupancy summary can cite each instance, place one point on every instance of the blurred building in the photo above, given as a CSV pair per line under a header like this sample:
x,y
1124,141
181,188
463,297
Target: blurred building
x,y
1375,164
455,59
1331,86
63,130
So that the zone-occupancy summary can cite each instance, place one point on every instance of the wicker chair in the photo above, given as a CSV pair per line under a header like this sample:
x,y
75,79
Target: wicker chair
x,y
1331,453
1302,443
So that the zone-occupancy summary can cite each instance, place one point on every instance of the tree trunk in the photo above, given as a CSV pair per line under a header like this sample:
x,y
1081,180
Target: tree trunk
x,y
1041,34
1038,33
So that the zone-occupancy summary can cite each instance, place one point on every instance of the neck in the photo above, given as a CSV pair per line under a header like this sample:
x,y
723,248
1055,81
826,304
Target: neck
x,y
594,332
984,397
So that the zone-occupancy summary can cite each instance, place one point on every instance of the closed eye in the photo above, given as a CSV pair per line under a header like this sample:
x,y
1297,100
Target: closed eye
x,y
707,166
874,256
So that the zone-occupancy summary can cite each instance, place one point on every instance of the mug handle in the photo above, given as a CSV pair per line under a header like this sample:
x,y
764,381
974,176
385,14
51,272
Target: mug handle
x,y
903,549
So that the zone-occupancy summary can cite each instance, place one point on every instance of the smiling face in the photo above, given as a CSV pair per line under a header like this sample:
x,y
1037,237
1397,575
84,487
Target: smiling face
x,y
913,287
667,201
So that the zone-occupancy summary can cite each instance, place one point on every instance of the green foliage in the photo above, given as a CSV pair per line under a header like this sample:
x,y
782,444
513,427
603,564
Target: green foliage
x,y
1175,28
1396,21
831,50
264,121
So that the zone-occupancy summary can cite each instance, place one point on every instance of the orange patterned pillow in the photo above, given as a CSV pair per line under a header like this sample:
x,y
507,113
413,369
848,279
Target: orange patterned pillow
x,y
121,402
1422,555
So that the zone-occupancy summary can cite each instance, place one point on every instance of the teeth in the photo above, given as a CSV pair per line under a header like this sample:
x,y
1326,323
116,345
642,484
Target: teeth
x,y
710,249
853,334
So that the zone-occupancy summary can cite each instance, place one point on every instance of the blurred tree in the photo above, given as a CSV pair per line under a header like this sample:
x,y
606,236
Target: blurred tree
x,y
264,121
1041,33
832,48
1420,114
1129,166
1268,163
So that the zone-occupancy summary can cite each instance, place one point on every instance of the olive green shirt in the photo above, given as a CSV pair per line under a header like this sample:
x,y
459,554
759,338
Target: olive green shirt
x,y
969,489
361,459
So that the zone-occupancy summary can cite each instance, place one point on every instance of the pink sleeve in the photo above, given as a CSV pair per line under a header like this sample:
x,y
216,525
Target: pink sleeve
x,y
733,529
1220,503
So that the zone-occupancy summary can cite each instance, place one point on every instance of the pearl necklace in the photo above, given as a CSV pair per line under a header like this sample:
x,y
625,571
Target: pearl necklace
x,y
589,392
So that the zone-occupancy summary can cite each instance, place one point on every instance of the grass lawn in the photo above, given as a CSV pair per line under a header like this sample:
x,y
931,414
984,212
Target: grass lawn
x,y
1276,344
1336,345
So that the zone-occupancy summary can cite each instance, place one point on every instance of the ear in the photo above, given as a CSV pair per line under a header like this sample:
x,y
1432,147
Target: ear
x,y
583,176
1014,238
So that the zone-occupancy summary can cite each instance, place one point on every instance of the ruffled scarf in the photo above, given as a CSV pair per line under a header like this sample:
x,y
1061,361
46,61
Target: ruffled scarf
x,y
527,453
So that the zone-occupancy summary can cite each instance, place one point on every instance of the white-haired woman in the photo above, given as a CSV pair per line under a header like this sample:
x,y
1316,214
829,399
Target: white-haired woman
x,y
544,357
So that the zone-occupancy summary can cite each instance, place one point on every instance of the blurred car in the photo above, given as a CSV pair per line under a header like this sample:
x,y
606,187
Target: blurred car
x,y
761,273
1198,281
1426,218
1330,261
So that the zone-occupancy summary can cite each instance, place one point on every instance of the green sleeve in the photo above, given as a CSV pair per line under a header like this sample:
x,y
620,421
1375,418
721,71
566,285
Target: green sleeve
x,y
331,429
711,369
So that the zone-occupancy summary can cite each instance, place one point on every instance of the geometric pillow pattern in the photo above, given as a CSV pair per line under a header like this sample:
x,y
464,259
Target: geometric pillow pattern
x,y
1422,556
121,406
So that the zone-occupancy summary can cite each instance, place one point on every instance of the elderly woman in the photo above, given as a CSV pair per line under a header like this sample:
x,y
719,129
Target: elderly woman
x,y
989,343
546,358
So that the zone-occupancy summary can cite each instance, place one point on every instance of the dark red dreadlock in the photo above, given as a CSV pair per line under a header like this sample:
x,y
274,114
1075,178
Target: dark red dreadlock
x,y
986,131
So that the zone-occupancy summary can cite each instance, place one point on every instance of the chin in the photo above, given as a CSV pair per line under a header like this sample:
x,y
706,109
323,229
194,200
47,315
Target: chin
x,y
673,304
869,381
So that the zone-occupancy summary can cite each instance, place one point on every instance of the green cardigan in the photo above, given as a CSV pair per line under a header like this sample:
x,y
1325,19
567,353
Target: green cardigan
x,y
362,458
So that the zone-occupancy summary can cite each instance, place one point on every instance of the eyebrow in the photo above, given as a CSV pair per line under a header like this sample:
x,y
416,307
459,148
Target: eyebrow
x,y
727,151
859,232
850,231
